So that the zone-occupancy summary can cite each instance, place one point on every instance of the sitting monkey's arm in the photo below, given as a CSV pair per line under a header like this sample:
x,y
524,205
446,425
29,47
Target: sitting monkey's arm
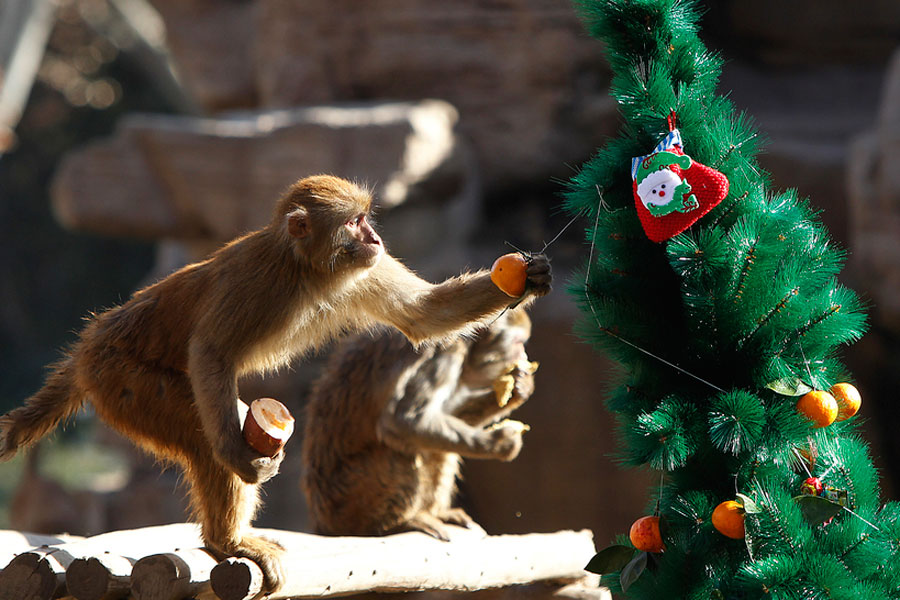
x,y
439,432
424,311
414,419
480,406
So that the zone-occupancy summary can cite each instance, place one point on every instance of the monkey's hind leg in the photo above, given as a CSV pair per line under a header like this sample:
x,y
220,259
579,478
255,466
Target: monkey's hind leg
x,y
225,505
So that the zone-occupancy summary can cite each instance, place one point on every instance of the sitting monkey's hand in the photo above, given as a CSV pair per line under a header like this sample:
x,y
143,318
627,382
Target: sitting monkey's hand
x,y
523,387
538,275
506,440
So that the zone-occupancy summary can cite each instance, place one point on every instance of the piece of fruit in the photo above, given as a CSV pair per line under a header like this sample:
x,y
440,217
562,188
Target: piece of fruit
x,y
848,399
522,427
645,535
818,406
503,389
506,384
268,426
728,519
509,273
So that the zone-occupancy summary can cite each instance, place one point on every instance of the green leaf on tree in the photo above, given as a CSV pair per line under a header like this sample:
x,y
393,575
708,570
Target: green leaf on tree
x,y
633,570
816,509
789,386
749,505
610,560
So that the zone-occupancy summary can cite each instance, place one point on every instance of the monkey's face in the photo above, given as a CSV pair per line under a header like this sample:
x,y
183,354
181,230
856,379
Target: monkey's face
x,y
329,220
358,244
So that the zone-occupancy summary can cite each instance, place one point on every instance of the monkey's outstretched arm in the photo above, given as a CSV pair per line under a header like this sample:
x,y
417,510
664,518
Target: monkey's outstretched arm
x,y
424,311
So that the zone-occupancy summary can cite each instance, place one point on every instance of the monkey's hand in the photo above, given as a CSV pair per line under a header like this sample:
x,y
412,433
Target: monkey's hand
x,y
265,467
538,276
248,464
523,385
506,440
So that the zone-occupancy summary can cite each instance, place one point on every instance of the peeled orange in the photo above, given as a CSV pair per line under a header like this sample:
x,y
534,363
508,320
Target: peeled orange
x,y
728,519
509,273
645,535
848,399
818,406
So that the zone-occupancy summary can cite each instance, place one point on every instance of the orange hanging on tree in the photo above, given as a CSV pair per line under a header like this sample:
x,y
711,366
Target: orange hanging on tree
x,y
645,535
818,406
848,400
728,519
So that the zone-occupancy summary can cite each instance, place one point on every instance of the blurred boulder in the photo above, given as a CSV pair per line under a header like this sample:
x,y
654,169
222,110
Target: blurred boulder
x,y
213,42
187,178
530,85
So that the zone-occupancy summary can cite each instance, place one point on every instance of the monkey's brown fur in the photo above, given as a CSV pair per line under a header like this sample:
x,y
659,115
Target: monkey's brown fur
x,y
163,367
386,425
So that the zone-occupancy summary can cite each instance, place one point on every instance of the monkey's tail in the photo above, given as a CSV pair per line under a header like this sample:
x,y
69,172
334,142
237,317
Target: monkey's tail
x,y
40,415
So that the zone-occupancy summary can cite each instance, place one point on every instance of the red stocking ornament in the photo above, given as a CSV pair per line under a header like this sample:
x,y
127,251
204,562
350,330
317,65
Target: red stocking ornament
x,y
672,190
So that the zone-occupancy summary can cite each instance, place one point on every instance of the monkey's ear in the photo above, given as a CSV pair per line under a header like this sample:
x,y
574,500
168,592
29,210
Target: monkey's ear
x,y
298,222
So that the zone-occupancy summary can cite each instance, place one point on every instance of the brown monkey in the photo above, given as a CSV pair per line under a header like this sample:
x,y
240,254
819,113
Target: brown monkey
x,y
387,423
163,367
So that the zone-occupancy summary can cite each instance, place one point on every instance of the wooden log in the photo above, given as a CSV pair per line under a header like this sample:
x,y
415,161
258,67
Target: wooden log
x,y
38,574
318,566
103,577
236,579
173,575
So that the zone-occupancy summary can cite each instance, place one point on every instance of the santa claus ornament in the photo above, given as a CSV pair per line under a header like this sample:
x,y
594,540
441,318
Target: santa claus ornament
x,y
672,190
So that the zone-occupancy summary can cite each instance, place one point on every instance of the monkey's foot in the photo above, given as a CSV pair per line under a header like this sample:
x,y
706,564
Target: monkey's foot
x,y
458,516
442,526
265,553
428,523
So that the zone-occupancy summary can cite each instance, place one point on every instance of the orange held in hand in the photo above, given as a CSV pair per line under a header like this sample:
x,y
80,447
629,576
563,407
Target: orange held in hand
x,y
728,519
509,273
848,400
268,426
819,406
645,535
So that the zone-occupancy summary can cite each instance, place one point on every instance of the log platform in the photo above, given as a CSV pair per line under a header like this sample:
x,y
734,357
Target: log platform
x,y
169,563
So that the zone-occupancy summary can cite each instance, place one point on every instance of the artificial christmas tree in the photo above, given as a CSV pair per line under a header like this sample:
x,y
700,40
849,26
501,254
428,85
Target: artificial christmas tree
x,y
722,304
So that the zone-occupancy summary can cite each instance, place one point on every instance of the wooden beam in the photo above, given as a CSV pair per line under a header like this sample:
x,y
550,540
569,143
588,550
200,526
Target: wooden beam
x,y
175,567
317,566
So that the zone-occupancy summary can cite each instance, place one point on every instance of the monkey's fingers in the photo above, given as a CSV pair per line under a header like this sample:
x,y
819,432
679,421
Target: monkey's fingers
x,y
267,467
539,276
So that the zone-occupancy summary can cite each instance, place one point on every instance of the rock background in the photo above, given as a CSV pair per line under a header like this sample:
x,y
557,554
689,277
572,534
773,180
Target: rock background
x,y
498,98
